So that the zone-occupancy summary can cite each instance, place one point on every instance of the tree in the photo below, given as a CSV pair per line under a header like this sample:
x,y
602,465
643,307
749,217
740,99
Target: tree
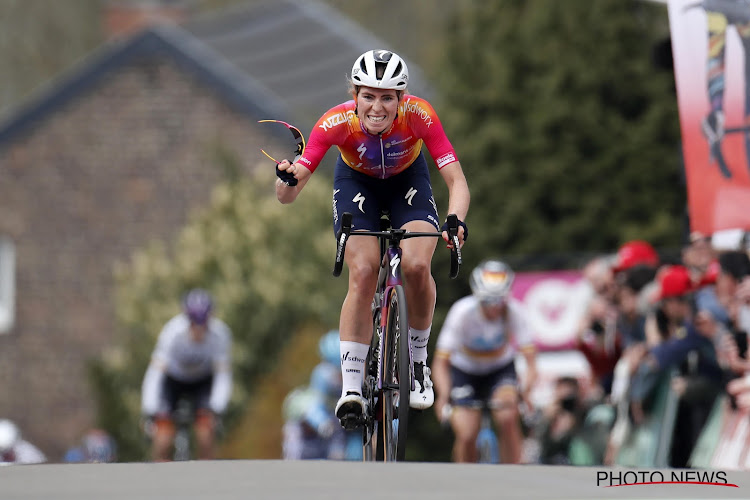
x,y
568,135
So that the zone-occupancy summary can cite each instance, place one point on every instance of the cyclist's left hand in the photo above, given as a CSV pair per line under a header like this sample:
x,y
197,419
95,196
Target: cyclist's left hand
x,y
463,233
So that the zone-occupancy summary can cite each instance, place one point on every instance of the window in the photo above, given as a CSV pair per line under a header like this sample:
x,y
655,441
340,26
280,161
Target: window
x,y
7,284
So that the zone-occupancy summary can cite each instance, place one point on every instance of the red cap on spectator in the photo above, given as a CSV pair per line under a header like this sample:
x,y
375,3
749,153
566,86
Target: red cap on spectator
x,y
712,272
635,253
674,281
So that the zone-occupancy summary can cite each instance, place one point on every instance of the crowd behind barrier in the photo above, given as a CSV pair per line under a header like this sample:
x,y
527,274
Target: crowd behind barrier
x,y
667,345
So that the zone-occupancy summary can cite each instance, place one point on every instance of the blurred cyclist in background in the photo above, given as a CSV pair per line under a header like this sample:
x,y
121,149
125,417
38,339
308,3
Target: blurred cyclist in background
x,y
311,431
192,362
14,449
474,363
379,134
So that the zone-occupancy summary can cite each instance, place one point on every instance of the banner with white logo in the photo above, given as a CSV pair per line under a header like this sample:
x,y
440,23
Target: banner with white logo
x,y
555,302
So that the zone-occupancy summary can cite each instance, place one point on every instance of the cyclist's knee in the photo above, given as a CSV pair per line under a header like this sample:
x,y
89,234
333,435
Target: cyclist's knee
x,y
417,270
164,428
363,275
204,423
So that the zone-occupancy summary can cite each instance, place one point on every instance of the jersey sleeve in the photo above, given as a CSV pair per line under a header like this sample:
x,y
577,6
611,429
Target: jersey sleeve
x,y
160,356
519,325
222,356
449,338
425,122
327,132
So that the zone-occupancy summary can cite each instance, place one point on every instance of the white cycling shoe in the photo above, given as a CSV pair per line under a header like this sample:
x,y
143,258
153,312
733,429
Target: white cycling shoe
x,y
422,397
352,404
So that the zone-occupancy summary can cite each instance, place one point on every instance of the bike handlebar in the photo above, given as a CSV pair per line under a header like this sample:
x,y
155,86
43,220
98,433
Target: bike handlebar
x,y
396,235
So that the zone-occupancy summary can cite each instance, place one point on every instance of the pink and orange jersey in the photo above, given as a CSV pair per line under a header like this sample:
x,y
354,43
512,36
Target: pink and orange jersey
x,y
384,155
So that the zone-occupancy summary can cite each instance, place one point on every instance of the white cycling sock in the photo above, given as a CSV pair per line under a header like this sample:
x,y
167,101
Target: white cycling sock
x,y
419,340
353,355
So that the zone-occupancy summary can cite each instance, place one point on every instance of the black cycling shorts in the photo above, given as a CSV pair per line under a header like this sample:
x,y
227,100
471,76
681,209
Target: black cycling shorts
x,y
469,389
197,393
407,196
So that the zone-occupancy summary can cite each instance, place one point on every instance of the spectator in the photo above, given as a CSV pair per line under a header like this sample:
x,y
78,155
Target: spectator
x,y
14,449
97,446
561,422
600,342
683,350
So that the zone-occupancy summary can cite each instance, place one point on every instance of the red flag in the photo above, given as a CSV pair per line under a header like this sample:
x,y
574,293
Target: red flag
x,y
708,40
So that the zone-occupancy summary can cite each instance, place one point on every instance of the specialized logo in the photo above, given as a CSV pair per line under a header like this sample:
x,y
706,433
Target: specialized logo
x,y
362,150
394,264
434,205
355,359
359,199
410,195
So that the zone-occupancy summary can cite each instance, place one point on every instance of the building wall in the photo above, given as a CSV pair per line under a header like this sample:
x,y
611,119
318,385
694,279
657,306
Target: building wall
x,y
108,172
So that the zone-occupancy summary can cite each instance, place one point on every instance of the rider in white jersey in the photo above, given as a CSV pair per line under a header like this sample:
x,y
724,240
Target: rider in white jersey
x,y
474,362
191,361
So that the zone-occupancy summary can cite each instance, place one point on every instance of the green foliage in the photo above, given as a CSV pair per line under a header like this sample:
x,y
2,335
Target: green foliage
x,y
269,268
567,132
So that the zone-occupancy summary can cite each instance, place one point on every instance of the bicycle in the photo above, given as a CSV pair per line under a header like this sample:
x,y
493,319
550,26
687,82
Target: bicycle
x,y
488,440
389,371
183,417
488,447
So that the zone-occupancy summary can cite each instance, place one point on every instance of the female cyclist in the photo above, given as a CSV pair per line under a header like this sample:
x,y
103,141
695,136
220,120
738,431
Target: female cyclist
x,y
379,135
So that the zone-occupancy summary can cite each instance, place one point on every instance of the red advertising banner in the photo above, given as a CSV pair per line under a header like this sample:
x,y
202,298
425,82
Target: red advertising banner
x,y
711,47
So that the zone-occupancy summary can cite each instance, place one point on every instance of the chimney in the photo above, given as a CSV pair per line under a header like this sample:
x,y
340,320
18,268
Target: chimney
x,y
125,17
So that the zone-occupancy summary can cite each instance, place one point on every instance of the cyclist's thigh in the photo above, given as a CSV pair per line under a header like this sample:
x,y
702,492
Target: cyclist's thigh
x,y
410,197
358,194
362,257
418,250
200,393
466,422
172,391
504,388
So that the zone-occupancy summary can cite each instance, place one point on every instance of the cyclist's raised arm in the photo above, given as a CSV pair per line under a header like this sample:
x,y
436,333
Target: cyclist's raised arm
x,y
458,194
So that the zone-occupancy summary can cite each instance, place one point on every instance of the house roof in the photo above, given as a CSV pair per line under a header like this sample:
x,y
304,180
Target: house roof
x,y
300,50
273,59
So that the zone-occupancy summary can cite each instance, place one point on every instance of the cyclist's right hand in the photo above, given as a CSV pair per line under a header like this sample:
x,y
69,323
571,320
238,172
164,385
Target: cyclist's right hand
x,y
285,171
148,425
444,411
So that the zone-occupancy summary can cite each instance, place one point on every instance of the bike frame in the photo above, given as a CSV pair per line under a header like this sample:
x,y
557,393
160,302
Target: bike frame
x,y
390,282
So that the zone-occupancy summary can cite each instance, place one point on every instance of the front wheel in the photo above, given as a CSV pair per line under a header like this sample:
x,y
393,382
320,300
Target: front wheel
x,y
396,377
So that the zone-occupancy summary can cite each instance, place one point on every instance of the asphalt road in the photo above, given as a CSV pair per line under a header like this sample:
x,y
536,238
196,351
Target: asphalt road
x,y
275,479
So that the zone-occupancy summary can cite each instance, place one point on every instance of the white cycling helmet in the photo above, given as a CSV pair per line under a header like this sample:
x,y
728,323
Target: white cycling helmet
x,y
9,435
381,69
491,281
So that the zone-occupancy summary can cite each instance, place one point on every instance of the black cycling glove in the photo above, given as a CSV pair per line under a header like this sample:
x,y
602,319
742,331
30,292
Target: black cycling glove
x,y
460,223
286,176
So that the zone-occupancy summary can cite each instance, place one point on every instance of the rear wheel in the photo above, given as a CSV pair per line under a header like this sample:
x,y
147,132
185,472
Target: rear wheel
x,y
396,378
